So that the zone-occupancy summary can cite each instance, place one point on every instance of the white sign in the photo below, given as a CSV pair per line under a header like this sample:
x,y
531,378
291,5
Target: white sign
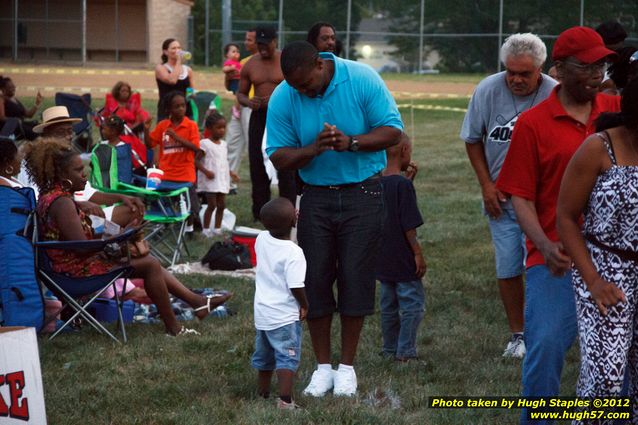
x,y
21,391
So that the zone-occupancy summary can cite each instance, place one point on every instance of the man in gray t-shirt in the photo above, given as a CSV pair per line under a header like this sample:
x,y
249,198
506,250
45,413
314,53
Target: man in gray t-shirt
x,y
487,130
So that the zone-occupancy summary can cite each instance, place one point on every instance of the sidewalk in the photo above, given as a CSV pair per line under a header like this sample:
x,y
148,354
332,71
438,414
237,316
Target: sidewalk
x,y
50,79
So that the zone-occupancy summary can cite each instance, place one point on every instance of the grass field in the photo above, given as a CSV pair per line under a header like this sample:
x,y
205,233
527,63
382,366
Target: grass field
x,y
208,379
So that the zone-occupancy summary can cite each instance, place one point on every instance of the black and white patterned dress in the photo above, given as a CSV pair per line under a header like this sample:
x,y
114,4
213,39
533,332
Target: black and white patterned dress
x,y
609,344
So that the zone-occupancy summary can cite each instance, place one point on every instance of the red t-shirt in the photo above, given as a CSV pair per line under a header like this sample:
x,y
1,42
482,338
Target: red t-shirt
x,y
176,160
131,113
543,142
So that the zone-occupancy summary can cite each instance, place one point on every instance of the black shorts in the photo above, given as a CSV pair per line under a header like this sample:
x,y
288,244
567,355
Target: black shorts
x,y
340,232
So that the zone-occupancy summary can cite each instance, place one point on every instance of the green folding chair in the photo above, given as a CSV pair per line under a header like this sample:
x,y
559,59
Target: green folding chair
x,y
204,101
167,212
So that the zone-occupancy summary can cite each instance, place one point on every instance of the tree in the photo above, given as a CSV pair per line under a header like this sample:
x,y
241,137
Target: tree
x,y
480,53
242,10
298,17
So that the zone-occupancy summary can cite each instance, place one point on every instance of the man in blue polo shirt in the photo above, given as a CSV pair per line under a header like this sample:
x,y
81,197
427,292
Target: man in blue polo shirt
x,y
332,119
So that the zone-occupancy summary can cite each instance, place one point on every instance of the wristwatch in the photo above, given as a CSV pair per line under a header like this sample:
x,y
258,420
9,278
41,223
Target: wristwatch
x,y
354,144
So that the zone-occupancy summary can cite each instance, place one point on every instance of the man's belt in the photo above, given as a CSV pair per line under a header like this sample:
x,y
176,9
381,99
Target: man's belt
x,y
372,178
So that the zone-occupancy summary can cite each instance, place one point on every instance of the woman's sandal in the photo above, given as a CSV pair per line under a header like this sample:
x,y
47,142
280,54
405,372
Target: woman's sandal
x,y
184,331
209,306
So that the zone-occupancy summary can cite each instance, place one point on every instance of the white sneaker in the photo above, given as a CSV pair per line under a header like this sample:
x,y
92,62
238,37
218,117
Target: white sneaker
x,y
515,348
212,232
345,383
320,383
189,228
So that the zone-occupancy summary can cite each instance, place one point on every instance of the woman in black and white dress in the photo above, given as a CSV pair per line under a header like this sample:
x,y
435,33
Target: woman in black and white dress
x,y
601,185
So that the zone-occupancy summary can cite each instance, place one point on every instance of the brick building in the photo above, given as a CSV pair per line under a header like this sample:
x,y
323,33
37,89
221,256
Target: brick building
x,y
91,30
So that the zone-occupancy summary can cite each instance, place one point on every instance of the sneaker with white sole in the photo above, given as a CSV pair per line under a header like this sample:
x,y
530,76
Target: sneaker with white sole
x,y
345,382
320,383
212,232
515,348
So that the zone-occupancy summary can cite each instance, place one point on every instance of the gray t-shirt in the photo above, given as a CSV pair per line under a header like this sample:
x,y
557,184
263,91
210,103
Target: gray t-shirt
x,y
492,113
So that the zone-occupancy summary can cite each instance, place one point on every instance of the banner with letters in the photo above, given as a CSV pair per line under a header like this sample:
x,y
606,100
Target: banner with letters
x,y
21,390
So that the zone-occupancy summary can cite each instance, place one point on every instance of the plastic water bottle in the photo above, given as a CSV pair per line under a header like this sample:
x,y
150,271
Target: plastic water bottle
x,y
182,205
186,55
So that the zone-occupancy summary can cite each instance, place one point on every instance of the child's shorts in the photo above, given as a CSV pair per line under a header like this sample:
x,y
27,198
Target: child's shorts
x,y
233,85
278,348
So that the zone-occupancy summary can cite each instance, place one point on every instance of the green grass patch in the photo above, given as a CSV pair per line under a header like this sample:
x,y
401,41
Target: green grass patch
x,y
434,78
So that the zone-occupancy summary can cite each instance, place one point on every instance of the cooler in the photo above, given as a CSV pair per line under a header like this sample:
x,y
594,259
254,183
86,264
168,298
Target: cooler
x,y
106,310
246,236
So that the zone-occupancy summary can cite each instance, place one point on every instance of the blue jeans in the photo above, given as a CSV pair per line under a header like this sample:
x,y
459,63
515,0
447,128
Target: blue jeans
x,y
278,348
402,307
509,245
550,329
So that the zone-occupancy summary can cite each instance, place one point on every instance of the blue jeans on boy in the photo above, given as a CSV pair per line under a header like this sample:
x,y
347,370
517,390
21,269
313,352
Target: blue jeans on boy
x,y
550,329
402,308
278,348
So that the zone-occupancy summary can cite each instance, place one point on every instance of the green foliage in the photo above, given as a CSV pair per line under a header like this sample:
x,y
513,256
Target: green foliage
x,y
480,54
298,17
249,13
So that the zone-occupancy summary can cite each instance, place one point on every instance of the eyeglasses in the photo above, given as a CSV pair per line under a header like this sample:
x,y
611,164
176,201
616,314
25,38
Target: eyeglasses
x,y
591,68
64,130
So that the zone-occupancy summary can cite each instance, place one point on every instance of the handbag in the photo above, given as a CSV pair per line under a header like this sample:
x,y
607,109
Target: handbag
x,y
227,255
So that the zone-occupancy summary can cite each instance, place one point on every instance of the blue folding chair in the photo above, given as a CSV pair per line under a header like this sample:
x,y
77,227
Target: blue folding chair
x,y
78,293
79,106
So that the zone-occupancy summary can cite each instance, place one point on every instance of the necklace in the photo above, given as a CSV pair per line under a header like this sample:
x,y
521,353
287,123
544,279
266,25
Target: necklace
x,y
533,99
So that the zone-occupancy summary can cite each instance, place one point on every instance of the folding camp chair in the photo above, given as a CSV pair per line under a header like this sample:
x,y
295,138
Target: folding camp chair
x,y
141,156
79,107
204,101
167,208
111,165
79,293
167,211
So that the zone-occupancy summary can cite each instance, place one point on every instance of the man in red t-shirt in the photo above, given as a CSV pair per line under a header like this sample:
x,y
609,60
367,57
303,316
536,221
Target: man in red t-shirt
x,y
544,140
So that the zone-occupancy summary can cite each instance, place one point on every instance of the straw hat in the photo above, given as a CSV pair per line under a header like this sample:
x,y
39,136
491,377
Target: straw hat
x,y
55,115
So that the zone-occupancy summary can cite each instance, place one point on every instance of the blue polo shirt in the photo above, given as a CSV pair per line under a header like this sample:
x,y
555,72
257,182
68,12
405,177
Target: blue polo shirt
x,y
356,101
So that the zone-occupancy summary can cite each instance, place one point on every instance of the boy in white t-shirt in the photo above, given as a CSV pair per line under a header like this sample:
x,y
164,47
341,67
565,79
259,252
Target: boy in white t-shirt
x,y
280,301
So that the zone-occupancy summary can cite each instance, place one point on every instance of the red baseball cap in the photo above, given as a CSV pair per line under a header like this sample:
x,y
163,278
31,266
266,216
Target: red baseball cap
x,y
583,43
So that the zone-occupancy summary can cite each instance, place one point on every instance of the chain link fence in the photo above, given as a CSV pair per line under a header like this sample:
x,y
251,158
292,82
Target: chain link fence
x,y
419,36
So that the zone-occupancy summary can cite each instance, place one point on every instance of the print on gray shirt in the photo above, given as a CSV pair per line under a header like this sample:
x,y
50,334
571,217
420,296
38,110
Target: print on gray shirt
x,y
492,113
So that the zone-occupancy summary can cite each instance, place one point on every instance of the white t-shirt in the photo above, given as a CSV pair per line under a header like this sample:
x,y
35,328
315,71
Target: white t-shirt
x,y
11,182
281,266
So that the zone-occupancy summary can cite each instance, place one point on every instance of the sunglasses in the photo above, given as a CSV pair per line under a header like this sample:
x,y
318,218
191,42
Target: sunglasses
x,y
591,68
